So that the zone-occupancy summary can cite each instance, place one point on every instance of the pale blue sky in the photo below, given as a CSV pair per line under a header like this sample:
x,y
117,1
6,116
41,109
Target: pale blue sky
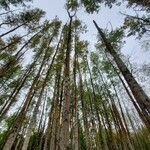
x,y
105,15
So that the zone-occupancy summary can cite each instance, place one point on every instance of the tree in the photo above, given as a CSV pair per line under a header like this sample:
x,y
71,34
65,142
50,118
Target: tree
x,y
69,95
140,96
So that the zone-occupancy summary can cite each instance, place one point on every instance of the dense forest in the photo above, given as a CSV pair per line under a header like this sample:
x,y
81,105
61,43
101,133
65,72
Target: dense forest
x,y
59,93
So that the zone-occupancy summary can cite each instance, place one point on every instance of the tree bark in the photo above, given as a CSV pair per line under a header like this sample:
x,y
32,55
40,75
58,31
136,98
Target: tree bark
x,y
64,135
140,96
12,134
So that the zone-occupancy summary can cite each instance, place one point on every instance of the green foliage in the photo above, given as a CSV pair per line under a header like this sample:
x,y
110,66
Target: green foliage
x,y
6,3
138,26
92,6
72,5
116,37
28,18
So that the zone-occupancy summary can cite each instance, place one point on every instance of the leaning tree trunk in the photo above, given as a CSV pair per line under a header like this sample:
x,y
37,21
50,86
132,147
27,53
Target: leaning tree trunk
x,y
11,100
11,30
144,118
140,96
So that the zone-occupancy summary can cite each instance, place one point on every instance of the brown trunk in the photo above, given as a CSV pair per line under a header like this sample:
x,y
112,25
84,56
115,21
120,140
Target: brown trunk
x,y
20,118
64,135
140,96
56,111
100,138
49,126
85,115
75,145
16,91
108,96
142,116
55,115
35,112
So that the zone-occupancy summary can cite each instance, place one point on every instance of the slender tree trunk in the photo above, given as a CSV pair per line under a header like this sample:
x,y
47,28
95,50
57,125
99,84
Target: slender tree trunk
x,y
108,96
40,126
84,111
16,91
49,126
4,70
96,109
144,118
56,112
128,135
35,112
59,117
75,103
20,118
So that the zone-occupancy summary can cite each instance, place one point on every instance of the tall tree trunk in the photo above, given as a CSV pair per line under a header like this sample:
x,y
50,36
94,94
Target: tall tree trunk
x,y
144,118
49,126
85,110
15,92
55,114
107,96
54,142
128,135
84,113
75,102
35,112
96,108
64,135
140,96
12,134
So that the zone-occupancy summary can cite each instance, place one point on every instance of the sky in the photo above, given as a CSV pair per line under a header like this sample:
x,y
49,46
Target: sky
x,y
133,47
